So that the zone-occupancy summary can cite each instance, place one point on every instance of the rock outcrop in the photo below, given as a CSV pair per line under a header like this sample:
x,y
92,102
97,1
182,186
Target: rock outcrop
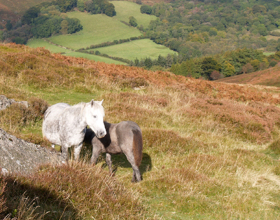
x,y
5,102
19,156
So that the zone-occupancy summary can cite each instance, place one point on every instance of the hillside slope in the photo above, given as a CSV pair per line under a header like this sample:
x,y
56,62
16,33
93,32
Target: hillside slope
x,y
211,149
268,77
19,6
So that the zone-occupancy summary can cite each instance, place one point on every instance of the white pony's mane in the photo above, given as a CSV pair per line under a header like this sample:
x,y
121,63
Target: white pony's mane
x,y
79,104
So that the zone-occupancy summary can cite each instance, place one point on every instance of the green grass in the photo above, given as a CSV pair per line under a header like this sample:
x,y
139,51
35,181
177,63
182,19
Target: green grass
x,y
34,43
96,29
94,57
41,43
126,9
101,28
136,49
268,53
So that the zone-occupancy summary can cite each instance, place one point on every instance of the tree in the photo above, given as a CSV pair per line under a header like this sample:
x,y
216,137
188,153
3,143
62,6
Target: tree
x,y
66,5
64,27
277,47
228,69
74,25
81,5
208,65
148,63
110,10
133,21
30,15
146,9
256,64
247,68
215,75
9,25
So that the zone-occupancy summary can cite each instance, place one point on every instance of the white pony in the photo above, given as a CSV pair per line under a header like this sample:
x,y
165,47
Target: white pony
x,y
65,125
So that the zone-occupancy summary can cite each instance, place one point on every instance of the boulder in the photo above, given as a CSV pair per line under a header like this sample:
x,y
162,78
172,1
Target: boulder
x,y
19,156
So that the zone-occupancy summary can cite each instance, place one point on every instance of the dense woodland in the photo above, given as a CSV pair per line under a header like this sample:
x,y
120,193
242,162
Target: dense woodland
x,y
197,28
97,7
203,31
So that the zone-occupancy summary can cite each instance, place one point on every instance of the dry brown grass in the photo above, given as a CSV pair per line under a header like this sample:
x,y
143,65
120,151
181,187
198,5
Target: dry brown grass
x,y
77,190
210,149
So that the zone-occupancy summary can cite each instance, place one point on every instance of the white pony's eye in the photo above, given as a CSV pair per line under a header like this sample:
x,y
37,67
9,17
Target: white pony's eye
x,y
95,116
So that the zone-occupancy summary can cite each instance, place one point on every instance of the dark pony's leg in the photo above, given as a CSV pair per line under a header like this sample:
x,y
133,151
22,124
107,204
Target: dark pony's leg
x,y
136,177
95,154
109,162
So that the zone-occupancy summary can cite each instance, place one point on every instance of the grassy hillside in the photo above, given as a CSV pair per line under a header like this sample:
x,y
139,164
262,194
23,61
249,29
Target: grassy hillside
x,y
136,49
126,9
211,150
96,29
268,77
55,49
101,28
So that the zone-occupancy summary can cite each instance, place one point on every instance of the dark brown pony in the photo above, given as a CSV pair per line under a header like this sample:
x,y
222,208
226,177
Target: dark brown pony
x,y
124,137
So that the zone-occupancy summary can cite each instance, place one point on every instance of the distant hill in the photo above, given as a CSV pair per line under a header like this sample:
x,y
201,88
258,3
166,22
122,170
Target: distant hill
x,y
19,6
13,9
6,14
268,77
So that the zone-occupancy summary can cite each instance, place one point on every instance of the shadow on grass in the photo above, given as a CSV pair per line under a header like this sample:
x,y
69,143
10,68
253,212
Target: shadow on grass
x,y
44,202
119,160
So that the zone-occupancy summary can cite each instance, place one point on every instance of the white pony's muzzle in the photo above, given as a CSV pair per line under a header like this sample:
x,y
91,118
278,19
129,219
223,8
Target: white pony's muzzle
x,y
101,133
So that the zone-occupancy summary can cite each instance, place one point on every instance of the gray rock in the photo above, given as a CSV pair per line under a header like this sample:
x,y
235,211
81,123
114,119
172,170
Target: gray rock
x,y
5,102
19,156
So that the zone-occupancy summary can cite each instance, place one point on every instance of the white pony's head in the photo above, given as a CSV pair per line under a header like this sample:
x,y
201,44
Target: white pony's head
x,y
94,117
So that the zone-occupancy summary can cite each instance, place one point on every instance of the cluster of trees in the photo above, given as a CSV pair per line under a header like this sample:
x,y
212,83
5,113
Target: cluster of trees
x,y
97,7
161,63
213,67
43,20
230,63
202,28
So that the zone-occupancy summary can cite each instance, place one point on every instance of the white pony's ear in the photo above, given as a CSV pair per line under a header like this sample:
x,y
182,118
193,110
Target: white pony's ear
x,y
92,102
101,102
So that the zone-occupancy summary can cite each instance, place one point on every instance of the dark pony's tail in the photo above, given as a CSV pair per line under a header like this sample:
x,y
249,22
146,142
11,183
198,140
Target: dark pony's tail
x,y
137,146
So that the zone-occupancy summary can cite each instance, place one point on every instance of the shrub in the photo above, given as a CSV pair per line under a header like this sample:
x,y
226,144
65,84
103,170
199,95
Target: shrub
x,y
273,63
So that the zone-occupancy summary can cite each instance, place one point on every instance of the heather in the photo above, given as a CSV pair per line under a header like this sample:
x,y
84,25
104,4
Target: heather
x,y
210,148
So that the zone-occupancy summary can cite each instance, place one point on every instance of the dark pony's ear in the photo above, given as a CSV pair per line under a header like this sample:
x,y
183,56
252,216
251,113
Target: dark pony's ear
x,y
92,102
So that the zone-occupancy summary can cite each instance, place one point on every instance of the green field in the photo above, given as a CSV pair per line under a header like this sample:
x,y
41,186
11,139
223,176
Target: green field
x,y
136,49
55,49
96,29
41,43
126,9
100,28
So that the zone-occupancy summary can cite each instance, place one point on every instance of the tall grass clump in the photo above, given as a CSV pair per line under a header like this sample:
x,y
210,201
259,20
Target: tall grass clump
x,y
74,191
17,117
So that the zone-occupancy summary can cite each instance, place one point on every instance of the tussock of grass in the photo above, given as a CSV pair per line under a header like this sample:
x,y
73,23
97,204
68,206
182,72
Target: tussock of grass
x,y
79,191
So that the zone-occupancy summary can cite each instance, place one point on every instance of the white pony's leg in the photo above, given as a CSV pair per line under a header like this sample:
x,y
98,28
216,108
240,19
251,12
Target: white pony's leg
x,y
109,162
64,153
53,145
77,151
